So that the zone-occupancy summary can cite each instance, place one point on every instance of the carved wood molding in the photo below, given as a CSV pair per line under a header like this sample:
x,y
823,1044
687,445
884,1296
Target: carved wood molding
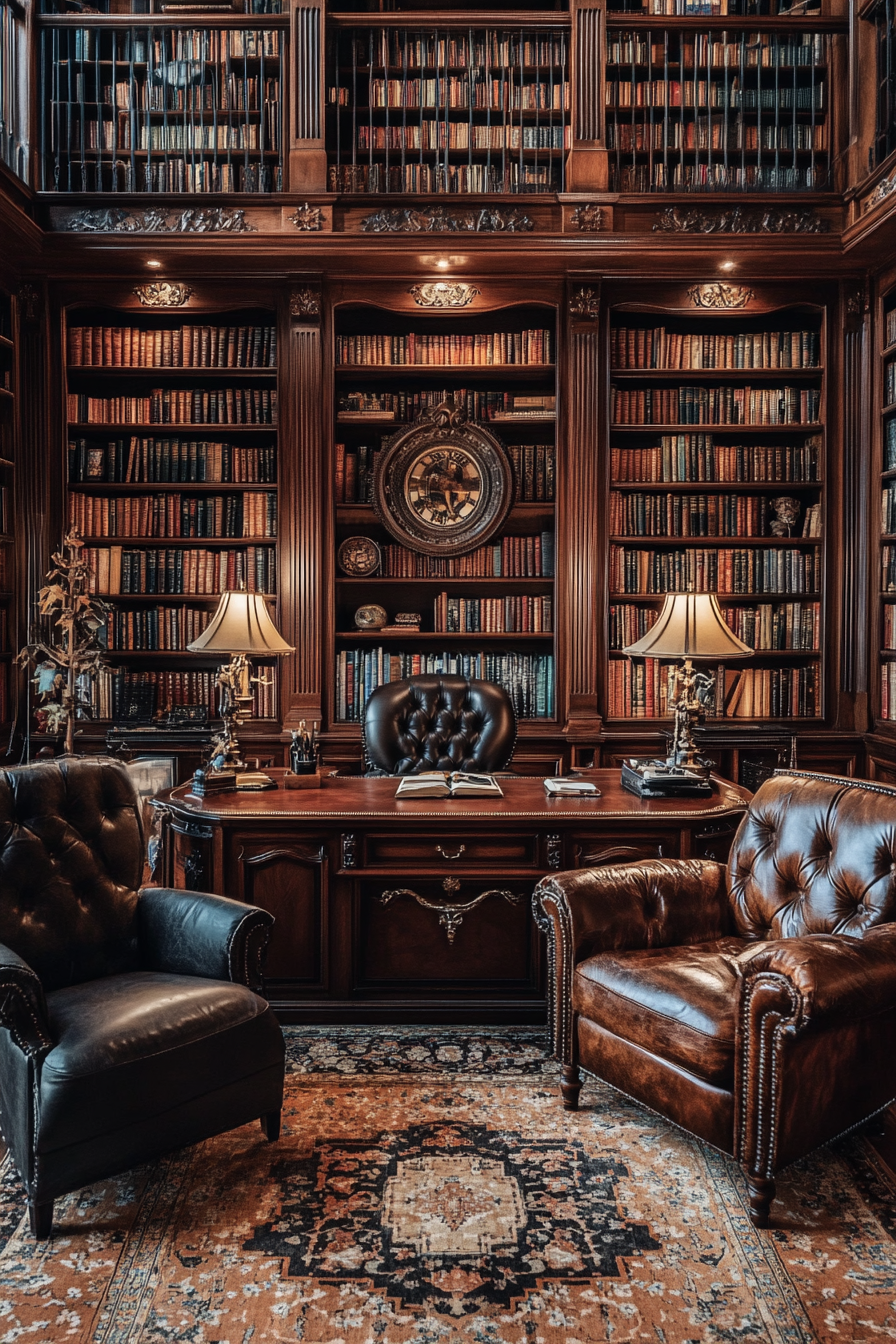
x,y
451,916
884,188
304,303
585,302
439,219
588,219
720,295
155,219
307,218
163,294
693,219
29,303
443,294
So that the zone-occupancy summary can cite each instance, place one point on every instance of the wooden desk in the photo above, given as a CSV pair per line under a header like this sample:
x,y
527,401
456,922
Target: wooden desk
x,y
416,911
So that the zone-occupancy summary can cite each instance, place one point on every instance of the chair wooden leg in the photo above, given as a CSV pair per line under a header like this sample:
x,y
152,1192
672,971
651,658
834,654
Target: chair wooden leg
x,y
762,1192
270,1123
40,1216
570,1087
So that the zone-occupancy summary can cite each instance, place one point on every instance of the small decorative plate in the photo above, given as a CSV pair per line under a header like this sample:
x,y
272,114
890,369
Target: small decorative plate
x,y
371,617
359,557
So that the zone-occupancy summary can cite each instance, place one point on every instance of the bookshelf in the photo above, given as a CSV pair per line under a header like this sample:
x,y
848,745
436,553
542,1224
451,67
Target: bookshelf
x,y
740,108
489,612
449,108
172,480
717,485
169,105
9,389
14,87
881,15
887,564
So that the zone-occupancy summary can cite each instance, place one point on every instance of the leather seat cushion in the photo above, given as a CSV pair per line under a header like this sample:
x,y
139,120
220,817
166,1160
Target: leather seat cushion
x,y
676,1002
134,1045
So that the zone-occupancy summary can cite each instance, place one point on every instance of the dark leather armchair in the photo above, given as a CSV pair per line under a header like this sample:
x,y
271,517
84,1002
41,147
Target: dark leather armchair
x,y
755,1004
437,722
127,1024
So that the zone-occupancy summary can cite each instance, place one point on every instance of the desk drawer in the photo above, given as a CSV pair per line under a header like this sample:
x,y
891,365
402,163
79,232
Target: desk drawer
x,y
451,850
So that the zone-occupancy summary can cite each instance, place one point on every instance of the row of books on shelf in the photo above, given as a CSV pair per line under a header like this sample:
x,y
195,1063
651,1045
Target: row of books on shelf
x,y
721,49
889,630
888,508
436,134
231,91
252,513
890,383
532,346
414,49
528,678
633,514
717,8
521,614
120,137
717,177
658,348
403,407
499,178
64,173
187,347
714,405
112,685
720,570
728,134
193,570
888,569
154,628
533,472
646,689
522,557
158,46
5,515
151,461
890,327
729,93
176,406
766,627
476,93
688,458
888,690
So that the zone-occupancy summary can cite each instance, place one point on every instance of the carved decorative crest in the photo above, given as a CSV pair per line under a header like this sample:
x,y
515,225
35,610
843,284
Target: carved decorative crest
x,y
720,295
588,218
304,302
884,188
163,294
489,219
216,219
585,302
29,301
443,294
857,302
677,219
307,218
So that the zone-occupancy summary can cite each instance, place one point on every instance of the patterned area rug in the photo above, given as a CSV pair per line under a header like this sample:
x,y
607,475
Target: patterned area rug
x,y
429,1189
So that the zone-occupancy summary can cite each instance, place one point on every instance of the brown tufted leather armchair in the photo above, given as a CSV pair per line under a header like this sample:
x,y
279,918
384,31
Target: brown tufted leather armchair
x,y
753,1005
127,1024
437,722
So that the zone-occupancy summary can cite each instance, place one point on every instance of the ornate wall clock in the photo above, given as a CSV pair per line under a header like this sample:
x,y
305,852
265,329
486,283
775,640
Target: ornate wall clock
x,y
445,485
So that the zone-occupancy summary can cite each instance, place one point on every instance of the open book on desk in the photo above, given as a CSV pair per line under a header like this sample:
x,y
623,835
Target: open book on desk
x,y
435,784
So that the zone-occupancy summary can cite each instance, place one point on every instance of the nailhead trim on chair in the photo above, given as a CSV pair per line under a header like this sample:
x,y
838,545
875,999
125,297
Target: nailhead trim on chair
x,y
763,1140
559,1022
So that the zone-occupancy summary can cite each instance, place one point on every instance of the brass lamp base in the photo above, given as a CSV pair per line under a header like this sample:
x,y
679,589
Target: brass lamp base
x,y
695,689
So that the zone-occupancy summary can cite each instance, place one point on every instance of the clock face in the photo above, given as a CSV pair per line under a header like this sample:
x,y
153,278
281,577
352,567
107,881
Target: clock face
x,y
444,485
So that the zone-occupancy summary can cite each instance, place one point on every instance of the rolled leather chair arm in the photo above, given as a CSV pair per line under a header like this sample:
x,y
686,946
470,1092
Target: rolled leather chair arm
x,y
654,903
23,1008
820,978
197,933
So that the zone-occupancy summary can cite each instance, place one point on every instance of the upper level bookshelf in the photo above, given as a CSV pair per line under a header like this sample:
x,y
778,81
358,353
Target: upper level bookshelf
x,y
488,612
448,110
9,386
14,88
883,17
887,561
735,109
717,485
166,106
172,480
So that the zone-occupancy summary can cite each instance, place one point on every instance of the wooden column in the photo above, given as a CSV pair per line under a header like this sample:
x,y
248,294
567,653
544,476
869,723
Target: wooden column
x,y
587,170
304,491
579,573
307,152
856,456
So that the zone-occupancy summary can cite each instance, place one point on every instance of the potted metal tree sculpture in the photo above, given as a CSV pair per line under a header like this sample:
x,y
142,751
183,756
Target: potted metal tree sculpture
x,y
66,663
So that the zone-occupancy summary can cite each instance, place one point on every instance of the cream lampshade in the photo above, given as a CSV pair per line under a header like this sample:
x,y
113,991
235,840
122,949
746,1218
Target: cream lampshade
x,y
689,626
241,627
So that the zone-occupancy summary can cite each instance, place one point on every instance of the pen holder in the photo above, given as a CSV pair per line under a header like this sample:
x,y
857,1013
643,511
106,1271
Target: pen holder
x,y
311,780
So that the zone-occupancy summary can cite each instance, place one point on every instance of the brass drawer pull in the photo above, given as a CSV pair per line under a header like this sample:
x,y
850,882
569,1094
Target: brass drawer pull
x,y
445,855
451,916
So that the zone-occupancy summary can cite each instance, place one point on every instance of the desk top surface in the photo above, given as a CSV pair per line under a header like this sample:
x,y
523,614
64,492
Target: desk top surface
x,y
356,798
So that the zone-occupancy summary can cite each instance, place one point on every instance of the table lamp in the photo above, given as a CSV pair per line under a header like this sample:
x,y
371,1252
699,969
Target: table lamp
x,y
241,627
690,626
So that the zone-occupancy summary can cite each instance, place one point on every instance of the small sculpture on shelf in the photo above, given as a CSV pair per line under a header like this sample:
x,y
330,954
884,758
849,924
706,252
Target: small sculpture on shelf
x,y
65,670
786,511
303,749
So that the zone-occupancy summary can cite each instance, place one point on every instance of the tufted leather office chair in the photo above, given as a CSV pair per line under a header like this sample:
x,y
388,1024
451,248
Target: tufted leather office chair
x,y
755,1004
437,722
127,1025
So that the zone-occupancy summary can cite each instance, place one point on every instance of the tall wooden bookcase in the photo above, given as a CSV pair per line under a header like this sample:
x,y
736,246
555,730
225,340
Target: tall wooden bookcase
x,y
884,580
9,425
